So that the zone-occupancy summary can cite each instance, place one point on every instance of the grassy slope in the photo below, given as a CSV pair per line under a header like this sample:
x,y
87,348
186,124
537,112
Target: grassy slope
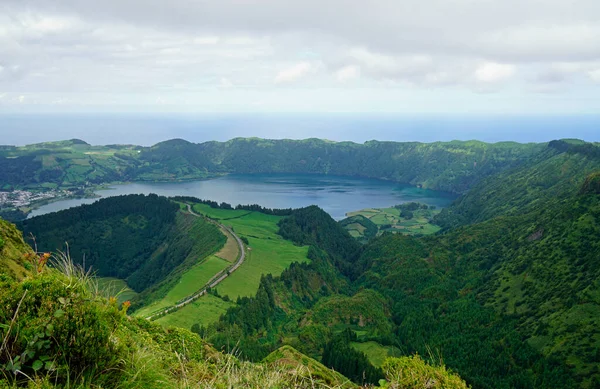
x,y
419,224
267,253
207,309
376,352
191,281
12,250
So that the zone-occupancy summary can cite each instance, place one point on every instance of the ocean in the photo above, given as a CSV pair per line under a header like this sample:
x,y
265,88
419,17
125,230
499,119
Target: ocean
x,y
149,129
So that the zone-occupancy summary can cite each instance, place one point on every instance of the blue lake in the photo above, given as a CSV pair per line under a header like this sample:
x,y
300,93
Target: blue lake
x,y
336,195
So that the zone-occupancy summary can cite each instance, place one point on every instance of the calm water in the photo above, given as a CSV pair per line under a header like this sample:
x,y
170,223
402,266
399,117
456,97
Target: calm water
x,y
336,195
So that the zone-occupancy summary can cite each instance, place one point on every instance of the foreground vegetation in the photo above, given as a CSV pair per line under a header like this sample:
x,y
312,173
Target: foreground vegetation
x,y
505,294
58,331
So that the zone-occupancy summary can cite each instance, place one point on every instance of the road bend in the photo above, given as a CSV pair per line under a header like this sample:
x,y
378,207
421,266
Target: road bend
x,y
213,282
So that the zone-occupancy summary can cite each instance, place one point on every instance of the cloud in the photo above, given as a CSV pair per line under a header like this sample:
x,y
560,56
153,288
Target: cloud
x,y
206,40
347,73
293,73
492,72
122,52
595,75
225,83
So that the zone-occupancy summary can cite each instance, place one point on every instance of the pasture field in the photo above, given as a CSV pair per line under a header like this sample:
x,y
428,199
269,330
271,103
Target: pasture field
x,y
390,219
267,251
191,281
376,352
207,309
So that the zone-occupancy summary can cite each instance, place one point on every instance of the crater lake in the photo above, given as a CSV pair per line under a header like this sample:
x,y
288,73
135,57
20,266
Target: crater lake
x,y
335,194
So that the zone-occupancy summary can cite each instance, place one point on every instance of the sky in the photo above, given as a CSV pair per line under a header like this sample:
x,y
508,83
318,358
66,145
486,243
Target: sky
x,y
400,56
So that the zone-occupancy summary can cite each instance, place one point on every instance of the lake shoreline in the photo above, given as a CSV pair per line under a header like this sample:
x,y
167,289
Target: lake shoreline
x,y
335,194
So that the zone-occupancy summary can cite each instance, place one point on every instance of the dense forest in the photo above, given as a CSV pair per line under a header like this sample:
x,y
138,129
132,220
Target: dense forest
x,y
138,238
508,297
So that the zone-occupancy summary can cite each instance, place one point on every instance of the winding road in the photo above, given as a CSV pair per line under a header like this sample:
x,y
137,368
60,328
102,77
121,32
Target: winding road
x,y
213,281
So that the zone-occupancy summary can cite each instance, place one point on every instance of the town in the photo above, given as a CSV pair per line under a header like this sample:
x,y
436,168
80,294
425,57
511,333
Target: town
x,y
23,198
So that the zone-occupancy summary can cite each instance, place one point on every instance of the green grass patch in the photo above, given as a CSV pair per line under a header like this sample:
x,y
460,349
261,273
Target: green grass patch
x,y
191,281
217,213
206,310
268,252
389,219
376,352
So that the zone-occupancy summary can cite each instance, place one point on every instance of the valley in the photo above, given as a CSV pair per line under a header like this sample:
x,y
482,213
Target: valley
x,y
501,284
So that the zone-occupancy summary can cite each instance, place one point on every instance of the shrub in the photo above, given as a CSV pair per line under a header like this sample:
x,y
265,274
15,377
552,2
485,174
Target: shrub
x,y
414,373
53,324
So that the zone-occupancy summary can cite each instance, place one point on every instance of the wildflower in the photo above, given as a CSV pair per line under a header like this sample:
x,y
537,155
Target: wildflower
x,y
126,305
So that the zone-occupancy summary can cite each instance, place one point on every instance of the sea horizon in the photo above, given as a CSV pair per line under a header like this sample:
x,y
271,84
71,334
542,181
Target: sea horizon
x,y
147,129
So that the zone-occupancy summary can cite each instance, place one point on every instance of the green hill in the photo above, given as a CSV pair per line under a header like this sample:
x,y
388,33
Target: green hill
x,y
450,166
59,332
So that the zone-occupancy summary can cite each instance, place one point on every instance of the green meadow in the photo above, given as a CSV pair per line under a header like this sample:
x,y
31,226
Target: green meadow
x,y
267,251
376,352
390,220
191,281
207,309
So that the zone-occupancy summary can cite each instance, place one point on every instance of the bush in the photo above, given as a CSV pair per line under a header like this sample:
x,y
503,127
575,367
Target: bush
x,y
54,325
414,373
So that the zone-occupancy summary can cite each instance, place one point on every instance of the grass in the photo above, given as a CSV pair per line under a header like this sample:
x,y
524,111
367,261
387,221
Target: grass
x,y
376,352
230,250
267,253
111,286
389,219
206,310
191,281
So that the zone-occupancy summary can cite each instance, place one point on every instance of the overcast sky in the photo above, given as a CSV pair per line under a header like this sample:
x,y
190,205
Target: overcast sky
x,y
406,56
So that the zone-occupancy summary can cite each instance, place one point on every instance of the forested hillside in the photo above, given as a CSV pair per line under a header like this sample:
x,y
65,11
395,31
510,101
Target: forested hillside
x,y
506,294
138,238
510,299
449,166
557,172
58,332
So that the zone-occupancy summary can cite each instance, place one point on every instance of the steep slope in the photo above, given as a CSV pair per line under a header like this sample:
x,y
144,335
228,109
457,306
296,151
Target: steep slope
x,y
58,332
531,276
556,173
142,239
13,252
450,166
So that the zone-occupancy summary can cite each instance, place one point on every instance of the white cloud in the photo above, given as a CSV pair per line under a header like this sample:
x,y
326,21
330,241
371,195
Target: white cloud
x,y
128,52
293,73
492,72
225,83
207,40
347,73
595,75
